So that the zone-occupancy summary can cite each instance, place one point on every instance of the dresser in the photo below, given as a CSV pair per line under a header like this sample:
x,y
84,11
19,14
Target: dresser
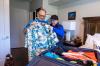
x,y
20,56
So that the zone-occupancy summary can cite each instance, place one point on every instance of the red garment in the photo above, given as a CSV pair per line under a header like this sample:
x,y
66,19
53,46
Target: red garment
x,y
80,55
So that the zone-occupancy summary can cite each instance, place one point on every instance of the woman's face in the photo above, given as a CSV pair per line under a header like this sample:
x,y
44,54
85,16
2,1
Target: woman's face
x,y
54,22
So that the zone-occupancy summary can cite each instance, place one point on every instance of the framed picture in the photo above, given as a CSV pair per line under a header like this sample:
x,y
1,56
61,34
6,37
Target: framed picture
x,y
71,15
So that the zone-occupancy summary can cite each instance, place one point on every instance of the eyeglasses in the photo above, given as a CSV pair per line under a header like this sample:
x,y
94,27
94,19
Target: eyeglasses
x,y
52,20
42,15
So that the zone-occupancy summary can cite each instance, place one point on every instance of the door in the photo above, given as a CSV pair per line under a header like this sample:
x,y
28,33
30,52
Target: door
x,y
1,31
4,30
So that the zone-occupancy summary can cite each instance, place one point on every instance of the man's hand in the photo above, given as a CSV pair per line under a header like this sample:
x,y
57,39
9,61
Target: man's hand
x,y
25,31
33,23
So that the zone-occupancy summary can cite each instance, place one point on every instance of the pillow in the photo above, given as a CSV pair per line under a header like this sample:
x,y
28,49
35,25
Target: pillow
x,y
97,36
88,42
96,42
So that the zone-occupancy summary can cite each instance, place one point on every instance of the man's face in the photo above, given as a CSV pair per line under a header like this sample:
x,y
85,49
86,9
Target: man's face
x,y
41,15
54,22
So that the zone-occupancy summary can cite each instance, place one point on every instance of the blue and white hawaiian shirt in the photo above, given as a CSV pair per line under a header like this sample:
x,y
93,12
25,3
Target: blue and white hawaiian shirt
x,y
40,37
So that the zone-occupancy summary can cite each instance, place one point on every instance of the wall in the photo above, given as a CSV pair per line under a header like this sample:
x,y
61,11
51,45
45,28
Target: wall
x,y
83,8
19,13
50,8
35,4
51,1
45,4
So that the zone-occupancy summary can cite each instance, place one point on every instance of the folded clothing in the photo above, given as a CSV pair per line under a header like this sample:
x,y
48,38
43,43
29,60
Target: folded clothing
x,y
53,55
80,55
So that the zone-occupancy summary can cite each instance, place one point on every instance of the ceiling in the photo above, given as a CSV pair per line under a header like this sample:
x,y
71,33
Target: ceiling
x,y
61,2
56,2
26,0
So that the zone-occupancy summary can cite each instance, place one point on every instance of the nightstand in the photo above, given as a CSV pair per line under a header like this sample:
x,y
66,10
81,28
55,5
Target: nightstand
x,y
69,43
20,56
72,43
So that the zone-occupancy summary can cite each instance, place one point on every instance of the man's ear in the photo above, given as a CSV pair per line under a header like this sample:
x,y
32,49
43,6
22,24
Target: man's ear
x,y
37,14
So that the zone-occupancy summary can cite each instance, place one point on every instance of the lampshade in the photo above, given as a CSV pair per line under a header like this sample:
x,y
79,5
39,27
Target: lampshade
x,y
69,25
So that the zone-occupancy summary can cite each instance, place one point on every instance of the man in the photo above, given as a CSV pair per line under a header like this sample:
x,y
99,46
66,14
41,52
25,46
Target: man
x,y
58,28
40,38
41,14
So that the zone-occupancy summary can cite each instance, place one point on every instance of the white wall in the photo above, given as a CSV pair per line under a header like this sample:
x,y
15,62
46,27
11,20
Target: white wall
x,y
19,17
83,8
50,8
51,1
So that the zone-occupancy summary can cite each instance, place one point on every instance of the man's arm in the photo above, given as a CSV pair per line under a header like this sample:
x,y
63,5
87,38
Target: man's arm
x,y
28,24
